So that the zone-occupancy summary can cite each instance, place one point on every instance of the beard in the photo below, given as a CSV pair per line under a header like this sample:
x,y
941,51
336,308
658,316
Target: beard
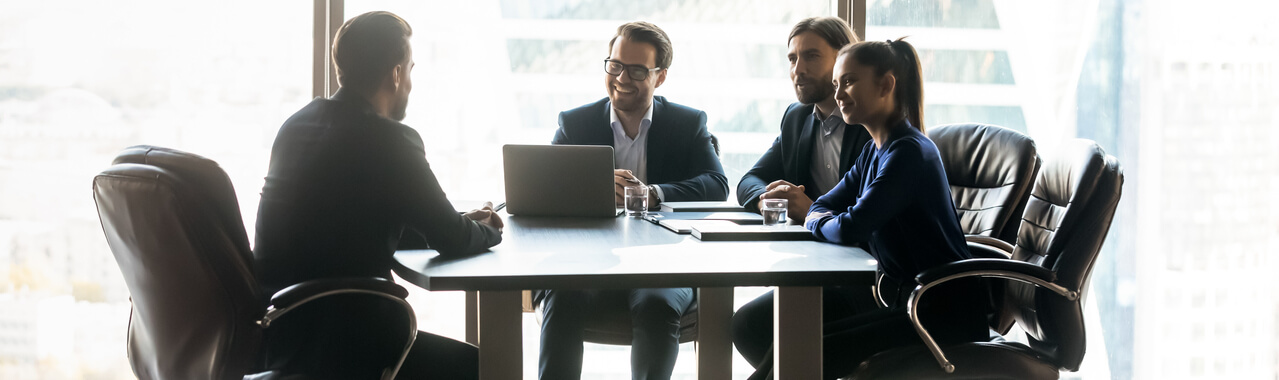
x,y
400,109
632,102
815,92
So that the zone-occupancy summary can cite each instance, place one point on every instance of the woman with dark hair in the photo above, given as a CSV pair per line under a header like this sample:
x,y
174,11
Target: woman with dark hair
x,y
897,201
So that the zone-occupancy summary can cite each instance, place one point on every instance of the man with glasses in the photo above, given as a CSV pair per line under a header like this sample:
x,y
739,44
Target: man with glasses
x,y
658,144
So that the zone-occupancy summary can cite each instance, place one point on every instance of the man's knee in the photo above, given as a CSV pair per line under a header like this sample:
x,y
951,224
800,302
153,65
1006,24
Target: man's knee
x,y
659,308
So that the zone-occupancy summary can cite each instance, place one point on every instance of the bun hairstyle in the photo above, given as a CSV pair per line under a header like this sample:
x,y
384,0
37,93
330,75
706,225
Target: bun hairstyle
x,y
899,57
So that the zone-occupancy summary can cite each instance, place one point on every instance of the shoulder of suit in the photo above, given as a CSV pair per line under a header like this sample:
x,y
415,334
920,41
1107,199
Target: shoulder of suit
x,y
592,109
672,110
799,108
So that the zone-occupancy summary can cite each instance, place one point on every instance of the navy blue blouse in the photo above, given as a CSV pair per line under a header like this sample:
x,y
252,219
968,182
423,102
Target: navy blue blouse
x,y
897,199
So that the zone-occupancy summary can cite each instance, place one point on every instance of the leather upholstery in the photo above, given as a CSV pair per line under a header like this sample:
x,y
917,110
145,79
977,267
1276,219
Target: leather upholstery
x,y
173,224
990,169
983,360
1063,227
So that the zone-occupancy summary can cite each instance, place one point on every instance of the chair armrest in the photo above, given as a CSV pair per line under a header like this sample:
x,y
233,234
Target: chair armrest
x,y
994,268
978,267
982,251
290,296
990,241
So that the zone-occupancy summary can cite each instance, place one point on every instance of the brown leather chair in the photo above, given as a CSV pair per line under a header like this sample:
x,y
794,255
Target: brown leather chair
x,y
990,169
173,224
1062,231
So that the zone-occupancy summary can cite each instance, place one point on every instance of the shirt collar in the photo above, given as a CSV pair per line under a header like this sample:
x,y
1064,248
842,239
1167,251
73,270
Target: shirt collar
x,y
617,124
830,124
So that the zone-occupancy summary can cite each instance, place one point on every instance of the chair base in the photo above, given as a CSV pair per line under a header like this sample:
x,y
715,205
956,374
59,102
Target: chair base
x,y
982,360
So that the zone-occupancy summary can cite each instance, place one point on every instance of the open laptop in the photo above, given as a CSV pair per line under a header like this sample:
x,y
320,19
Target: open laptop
x,y
559,180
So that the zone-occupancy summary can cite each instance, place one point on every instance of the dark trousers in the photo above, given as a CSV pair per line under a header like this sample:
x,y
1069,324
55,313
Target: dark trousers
x,y
655,321
858,329
357,337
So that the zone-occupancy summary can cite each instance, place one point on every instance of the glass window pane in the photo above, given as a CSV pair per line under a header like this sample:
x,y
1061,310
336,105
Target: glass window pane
x,y
1183,93
81,80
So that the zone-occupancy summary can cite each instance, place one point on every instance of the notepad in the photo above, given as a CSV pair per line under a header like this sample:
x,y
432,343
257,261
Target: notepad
x,y
736,232
736,216
701,206
685,226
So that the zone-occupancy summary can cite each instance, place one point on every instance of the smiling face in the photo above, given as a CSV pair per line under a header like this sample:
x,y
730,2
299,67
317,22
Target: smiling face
x,y
811,62
629,95
862,96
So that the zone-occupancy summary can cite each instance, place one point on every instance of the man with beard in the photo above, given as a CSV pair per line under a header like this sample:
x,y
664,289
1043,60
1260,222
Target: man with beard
x,y
348,184
810,156
658,144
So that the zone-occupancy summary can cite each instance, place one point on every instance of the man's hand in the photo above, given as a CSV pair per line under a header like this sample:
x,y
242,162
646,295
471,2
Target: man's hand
x,y
486,216
622,179
812,219
797,203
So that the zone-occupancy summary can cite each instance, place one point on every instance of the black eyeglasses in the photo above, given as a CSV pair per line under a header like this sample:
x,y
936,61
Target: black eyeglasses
x,y
636,72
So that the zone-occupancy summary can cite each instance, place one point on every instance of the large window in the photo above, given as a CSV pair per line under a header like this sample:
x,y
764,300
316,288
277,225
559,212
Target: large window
x,y
80,81
1182,92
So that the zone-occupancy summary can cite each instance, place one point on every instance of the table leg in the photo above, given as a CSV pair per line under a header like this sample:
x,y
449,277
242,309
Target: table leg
x,y
501,345
714,343
797,335
473,317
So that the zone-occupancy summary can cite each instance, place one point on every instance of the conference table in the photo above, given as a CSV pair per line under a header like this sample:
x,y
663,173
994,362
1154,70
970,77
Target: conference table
x,y
626,252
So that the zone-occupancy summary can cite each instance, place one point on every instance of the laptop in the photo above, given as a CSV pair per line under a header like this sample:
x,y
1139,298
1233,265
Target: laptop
x,y
559,180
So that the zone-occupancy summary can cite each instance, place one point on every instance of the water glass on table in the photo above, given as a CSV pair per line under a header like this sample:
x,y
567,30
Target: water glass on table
x,y
636,200
774,212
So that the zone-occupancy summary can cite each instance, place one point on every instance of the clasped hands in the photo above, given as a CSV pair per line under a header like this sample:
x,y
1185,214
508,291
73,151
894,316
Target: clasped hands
x,y
797,203
486,216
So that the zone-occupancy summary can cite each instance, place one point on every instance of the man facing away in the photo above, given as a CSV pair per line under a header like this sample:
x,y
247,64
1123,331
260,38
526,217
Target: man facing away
x,y
658,144
815,149
348,184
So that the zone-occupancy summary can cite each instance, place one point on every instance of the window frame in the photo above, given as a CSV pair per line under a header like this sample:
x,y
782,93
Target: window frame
x,y
328,17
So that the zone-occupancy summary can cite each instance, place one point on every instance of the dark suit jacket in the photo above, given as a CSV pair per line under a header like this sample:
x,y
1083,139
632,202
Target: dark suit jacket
x,y
791,156
681,159
344,184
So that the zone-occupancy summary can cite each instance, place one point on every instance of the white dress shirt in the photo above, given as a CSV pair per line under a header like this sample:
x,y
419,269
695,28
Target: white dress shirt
x,y
632,153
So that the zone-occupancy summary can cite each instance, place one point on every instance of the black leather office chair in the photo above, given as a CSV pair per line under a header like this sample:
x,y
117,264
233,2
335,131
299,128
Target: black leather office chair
x,y
1063,228
173,224
991,170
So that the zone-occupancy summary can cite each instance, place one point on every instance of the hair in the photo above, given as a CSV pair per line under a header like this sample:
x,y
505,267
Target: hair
x,y
368,46
832,29
640,31
899,57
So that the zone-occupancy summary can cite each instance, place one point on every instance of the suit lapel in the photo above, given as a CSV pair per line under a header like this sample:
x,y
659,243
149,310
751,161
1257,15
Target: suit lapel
x,y
656,135
850,149
804,149
602,135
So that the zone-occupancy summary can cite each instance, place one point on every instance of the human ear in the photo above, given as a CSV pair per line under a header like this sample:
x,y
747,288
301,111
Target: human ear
x,y
397,76
661,78
886,84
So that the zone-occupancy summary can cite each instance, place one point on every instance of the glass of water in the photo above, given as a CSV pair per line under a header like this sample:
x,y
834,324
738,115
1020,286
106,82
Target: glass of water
x,y
774,212
636,200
